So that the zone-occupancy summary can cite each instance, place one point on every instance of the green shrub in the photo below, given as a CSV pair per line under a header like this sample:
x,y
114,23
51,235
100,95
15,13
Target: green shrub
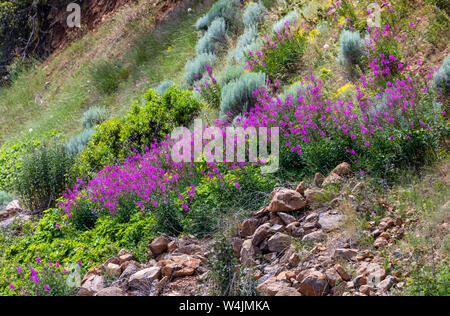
x,y
196,68
441,79
42,177
148,120
352,48
11,156
295,91
106,76
283,61
430,281
206,45
228,277
238,96
5,199
84,217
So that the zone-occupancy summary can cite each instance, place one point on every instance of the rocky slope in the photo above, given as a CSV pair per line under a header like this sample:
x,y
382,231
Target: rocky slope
x,y
298,245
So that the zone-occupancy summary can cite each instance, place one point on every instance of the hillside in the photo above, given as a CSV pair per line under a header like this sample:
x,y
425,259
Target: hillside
x,y
123,171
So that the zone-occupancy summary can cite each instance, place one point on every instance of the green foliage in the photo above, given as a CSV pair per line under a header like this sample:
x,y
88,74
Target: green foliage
x,y
430,281
106,76
238,96
294,91
284,61
238,191
146,121
84,217
227,276
5,198
246,43
210,92
11,156
42,177
253,14
197,67
441,79
352,48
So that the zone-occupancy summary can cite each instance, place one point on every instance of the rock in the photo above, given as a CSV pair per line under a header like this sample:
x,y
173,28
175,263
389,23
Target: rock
x,y
111,291
386,284
333,277
286,276
248,252
310,226
330,222
271,287
113,269
380,242
159,245
286,218
248,227
294,260
129,271
313,196
295,230
359,280
125,258
332,179
318,179
279,242
364,289
314,236
237,242
91,286
144,278
314,284
349,254
12,209
312,218
285,200
261,233
276,228
301,187
372,271
342,273
288,291
386,223
344,169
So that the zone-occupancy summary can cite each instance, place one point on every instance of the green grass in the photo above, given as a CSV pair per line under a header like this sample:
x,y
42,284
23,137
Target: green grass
x,y
54,95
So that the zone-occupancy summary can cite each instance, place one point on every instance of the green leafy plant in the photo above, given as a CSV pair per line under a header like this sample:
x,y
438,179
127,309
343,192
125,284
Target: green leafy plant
x,y
106,76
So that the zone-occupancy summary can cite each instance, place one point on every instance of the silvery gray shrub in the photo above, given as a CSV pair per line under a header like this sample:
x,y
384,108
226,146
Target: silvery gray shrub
x,y
196,68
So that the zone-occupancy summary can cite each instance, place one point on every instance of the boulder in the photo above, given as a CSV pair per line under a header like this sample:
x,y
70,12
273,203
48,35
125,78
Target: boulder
x,y
386,284
261,233
129,271
314,236
333,277
332,179
286,218
342,273
301,187
314,284
286,200
318,179
330,222
111,291
248,252
91,286
113,269
349,254
248,227
237,242
159,245
314,196
344,169
144,278
288,291
279,242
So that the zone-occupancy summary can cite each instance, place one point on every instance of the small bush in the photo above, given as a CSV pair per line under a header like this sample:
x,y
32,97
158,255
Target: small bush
x,y
218,30
227,9
5,199
74,146
230,73
147,121
42,178
294,91
238,96
106,76
253,14
197,67
94,116
84,216
288,20
352,48
430,281
163,86
247,42
206,45
441,79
